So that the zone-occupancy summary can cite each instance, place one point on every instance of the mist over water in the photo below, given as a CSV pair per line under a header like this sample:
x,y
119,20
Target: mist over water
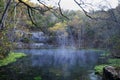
x,y
65,39
65,62
63,56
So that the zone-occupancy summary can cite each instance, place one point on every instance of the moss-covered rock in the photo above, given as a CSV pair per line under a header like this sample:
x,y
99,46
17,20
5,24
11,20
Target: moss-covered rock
x,y
110,73
12,57
99,69
111,62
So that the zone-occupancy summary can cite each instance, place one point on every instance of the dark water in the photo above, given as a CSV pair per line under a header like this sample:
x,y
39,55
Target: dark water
x,y
55,64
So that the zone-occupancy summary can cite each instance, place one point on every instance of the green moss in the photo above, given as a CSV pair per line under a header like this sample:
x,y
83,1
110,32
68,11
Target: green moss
x,y
12,57
99,69
37,78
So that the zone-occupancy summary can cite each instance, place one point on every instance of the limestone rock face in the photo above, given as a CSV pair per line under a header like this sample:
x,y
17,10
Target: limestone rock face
x,y
110,73
33,40
21,45
39,37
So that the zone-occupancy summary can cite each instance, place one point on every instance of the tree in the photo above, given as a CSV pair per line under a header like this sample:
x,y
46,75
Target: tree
x,y
38,13
7,8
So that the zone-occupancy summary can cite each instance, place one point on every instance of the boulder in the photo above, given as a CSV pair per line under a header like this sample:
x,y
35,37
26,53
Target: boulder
x,y
110,73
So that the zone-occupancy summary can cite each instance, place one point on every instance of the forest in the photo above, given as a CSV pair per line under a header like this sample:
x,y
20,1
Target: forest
x,y
42,42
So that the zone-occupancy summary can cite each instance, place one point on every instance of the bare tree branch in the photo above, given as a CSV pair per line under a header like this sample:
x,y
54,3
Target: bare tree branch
x,y
61,10
86,13
30,16
26,4
49,8
110,13
29,8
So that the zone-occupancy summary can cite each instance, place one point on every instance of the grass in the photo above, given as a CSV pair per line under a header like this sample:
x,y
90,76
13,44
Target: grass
x,y
114,62
12,57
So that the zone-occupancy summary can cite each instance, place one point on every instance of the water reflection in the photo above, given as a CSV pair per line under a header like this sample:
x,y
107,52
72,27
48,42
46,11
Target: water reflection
x,y
64,64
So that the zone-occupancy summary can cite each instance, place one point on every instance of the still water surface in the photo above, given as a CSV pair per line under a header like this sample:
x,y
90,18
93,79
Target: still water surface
x,y
58,64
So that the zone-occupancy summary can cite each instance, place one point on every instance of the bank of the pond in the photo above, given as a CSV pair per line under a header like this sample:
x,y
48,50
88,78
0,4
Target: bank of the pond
x,y
12,57
115,62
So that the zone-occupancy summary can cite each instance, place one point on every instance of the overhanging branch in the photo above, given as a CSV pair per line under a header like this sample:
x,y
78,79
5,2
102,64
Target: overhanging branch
x,y
61,10
112,14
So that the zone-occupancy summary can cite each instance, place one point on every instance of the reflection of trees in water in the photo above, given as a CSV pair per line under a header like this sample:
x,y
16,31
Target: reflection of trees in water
x,y
52,65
